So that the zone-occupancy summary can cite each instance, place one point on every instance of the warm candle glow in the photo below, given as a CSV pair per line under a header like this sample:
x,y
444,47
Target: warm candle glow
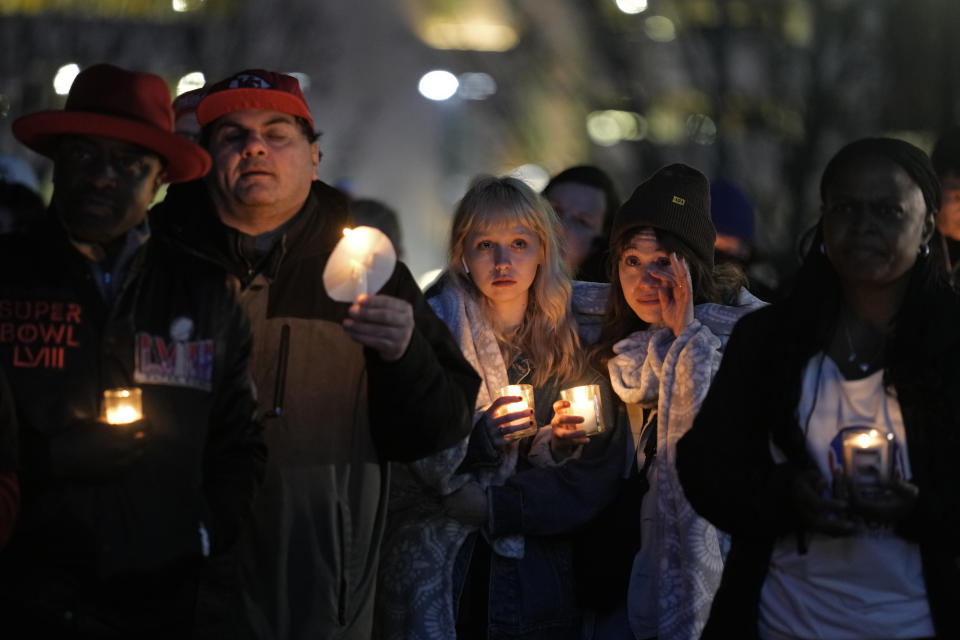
x,y
361,256
867,455
122,415
360,264
525,393
122,406
585,402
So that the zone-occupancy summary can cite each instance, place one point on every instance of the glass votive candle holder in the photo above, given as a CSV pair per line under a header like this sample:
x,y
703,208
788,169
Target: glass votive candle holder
x,y
122,405
867,455
585,402
525,392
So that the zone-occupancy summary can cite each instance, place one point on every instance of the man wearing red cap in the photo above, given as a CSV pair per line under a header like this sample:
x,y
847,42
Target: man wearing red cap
x,y
119,512
347,387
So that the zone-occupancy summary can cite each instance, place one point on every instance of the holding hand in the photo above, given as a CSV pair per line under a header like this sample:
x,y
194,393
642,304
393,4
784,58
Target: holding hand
x,y
885,504
676,294
565,437
94,450
383,323
498,427
818,513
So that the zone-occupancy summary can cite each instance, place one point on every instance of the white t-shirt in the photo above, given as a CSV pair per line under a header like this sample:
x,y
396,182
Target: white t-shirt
x,y
869,585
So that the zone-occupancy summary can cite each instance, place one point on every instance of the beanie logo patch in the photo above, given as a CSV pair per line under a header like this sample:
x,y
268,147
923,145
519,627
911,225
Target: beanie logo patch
x,y
248,81
680,201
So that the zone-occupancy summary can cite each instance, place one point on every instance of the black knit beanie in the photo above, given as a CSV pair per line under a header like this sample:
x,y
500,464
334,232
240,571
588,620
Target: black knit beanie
x,y
676,199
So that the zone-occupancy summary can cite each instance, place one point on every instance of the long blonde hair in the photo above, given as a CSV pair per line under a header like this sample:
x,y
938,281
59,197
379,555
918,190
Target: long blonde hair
x,y
548,334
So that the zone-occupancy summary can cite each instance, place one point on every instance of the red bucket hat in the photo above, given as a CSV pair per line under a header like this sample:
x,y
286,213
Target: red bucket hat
x,y
115,103
254,89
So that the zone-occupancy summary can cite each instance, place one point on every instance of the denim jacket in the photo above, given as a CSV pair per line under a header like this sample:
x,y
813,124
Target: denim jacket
x,y
533,596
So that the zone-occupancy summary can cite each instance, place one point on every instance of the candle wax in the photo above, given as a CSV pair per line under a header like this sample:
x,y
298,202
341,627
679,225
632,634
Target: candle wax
x,y
586,409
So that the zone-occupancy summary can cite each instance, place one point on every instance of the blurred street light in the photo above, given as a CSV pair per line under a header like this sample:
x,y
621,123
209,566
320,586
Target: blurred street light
x,y
190,81
181,6
533,174
607,128
438,85
632,6
477,86
64,78
660,29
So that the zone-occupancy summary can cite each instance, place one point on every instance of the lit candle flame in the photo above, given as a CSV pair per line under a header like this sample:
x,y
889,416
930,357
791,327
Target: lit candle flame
x,y
868,440
122,406
124,414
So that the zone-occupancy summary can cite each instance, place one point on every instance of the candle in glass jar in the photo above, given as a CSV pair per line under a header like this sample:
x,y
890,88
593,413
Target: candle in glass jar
x,y
866,454
123,405
525,393
585,402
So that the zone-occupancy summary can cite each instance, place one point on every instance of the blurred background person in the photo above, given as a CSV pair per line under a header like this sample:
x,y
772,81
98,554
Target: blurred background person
x,y
374,213
21,205
185,121
734,217
946,243
585,199
840,486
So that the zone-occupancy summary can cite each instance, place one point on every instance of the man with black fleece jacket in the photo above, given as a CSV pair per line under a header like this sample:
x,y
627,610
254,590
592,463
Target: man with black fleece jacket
x,y
344,388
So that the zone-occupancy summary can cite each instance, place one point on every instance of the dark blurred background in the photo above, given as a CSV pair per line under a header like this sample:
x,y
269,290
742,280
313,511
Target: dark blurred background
x,y
757,91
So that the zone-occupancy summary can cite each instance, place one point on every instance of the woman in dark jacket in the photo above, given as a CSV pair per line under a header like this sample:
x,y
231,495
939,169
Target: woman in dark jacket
x,y
840,488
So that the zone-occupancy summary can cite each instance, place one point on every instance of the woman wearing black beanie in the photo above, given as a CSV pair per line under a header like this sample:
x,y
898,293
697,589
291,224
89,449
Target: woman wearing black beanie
x,y
669,313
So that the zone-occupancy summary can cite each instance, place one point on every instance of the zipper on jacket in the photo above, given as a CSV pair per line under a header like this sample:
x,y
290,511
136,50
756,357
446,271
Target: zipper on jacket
x,y
342,596
280,383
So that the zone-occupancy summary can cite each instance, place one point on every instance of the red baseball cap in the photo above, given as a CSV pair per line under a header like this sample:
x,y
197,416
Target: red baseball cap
x,y
132,106
254,89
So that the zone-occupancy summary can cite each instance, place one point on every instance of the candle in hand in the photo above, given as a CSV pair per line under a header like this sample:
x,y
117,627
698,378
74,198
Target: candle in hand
x,y
525,393
585,402
122,405
361,263
866,454
361,258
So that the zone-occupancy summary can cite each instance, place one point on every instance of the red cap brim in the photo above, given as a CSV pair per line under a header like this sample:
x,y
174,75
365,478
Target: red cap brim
x,y
184,159
219,103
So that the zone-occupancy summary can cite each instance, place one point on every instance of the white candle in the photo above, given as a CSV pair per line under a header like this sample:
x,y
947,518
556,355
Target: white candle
x,y
361,263
123,405
585,402
525,393
360,256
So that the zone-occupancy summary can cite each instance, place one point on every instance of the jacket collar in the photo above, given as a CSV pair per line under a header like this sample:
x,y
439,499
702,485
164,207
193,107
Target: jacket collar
x,y
187,215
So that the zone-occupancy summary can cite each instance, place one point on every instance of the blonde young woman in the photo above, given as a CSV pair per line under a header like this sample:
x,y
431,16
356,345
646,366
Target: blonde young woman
x,y
476,545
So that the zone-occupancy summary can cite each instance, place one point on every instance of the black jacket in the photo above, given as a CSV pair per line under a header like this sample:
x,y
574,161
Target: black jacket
x,y
125,551
730,478
338,414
